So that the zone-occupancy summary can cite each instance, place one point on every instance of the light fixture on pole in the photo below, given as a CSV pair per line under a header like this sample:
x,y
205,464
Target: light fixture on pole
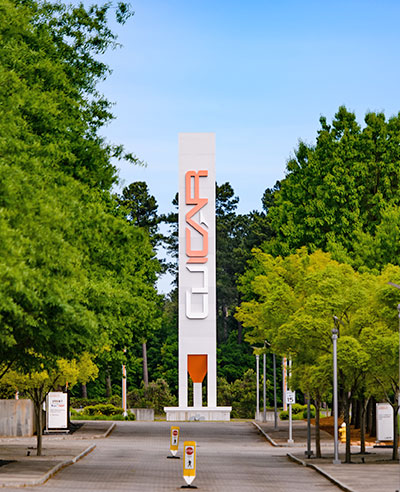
x,y
335,332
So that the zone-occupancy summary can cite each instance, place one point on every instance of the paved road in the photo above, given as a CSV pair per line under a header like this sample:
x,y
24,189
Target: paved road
x,y
230,457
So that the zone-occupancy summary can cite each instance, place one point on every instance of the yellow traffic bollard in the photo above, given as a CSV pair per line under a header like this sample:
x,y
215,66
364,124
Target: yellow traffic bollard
x,y
174,442
189,464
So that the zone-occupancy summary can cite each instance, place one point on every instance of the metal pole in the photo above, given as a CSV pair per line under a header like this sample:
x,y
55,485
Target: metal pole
x,y
336,460
290,440
258,387
275,400
124,390
309,452
265,387
398,396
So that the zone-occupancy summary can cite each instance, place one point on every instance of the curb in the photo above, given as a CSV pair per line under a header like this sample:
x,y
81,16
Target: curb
x,y
95,436
269,439
320,471
108,431
50,473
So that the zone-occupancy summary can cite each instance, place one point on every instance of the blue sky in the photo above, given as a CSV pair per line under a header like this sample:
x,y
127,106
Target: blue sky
x,y
258,73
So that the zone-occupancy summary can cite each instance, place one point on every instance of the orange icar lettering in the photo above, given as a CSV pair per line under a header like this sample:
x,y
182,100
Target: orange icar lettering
x,y
195,256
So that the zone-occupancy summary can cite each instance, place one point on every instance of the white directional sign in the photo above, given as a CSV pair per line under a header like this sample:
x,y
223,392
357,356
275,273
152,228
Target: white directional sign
x,y
384,422
57,410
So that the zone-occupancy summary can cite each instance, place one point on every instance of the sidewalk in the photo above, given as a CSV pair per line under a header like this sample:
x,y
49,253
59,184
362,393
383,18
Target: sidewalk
x,y
20,467
372,472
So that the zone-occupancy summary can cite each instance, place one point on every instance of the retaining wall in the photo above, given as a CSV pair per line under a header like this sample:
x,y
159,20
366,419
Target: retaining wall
x,y
17,418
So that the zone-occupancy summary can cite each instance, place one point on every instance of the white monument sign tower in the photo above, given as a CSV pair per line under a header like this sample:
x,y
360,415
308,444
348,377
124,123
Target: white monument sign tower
x,y
197,291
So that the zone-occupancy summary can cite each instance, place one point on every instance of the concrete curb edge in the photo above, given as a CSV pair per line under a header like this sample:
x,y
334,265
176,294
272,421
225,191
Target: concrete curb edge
x,y
109,430
50,473
269,439
320,471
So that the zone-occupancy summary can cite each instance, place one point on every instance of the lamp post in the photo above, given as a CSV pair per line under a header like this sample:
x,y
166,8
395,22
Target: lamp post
x,y
125,413
398,310
275,400
309,452
335,332
265,386
258,386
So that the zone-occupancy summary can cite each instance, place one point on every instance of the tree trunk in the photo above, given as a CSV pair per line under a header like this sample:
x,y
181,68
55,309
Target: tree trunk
x,y
108,383
347,403
145,369
37,403
368,418
363,406
353,412
395,454
358,408
318,454
240,332
372,432
84,390
225,322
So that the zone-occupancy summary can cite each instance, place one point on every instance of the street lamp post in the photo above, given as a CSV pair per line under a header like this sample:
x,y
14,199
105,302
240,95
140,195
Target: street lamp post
x,y
309,452
258,386
265,386
124,405
275,399
335,332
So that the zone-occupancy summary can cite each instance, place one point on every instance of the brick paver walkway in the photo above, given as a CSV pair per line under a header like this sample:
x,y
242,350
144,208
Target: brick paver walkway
x,y
230,457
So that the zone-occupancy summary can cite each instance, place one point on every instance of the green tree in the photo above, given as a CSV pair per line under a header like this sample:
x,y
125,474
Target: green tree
x,y
36,384
141,208
338,188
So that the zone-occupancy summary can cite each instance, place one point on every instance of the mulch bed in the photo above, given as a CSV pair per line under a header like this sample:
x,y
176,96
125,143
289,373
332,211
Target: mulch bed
x,y
327,425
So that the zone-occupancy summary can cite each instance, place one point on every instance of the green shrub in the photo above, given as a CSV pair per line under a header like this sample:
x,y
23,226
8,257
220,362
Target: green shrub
x,y
284,415
85,402
104,409
75,415
157,395
297,408
312,412
75,402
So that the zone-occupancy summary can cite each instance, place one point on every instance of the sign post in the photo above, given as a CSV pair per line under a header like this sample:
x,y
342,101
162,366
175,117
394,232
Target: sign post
x,y
290,400
189,464
174,442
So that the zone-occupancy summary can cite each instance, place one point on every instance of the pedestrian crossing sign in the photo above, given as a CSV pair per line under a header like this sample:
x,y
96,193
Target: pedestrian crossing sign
x,y
174,440
189,462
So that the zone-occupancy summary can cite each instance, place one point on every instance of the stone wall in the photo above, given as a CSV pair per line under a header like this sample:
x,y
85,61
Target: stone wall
x,y
17,418
143,414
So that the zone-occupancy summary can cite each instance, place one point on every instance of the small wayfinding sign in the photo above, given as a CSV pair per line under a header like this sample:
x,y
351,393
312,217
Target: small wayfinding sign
x,y
174,440
189,462
57,410
290,397
384,422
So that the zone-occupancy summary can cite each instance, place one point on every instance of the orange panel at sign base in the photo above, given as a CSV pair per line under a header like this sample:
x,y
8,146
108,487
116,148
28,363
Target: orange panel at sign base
x,y
197,367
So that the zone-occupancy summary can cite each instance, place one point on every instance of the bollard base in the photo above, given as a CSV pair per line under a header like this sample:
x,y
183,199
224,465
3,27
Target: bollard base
x,y
174,457
188,487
